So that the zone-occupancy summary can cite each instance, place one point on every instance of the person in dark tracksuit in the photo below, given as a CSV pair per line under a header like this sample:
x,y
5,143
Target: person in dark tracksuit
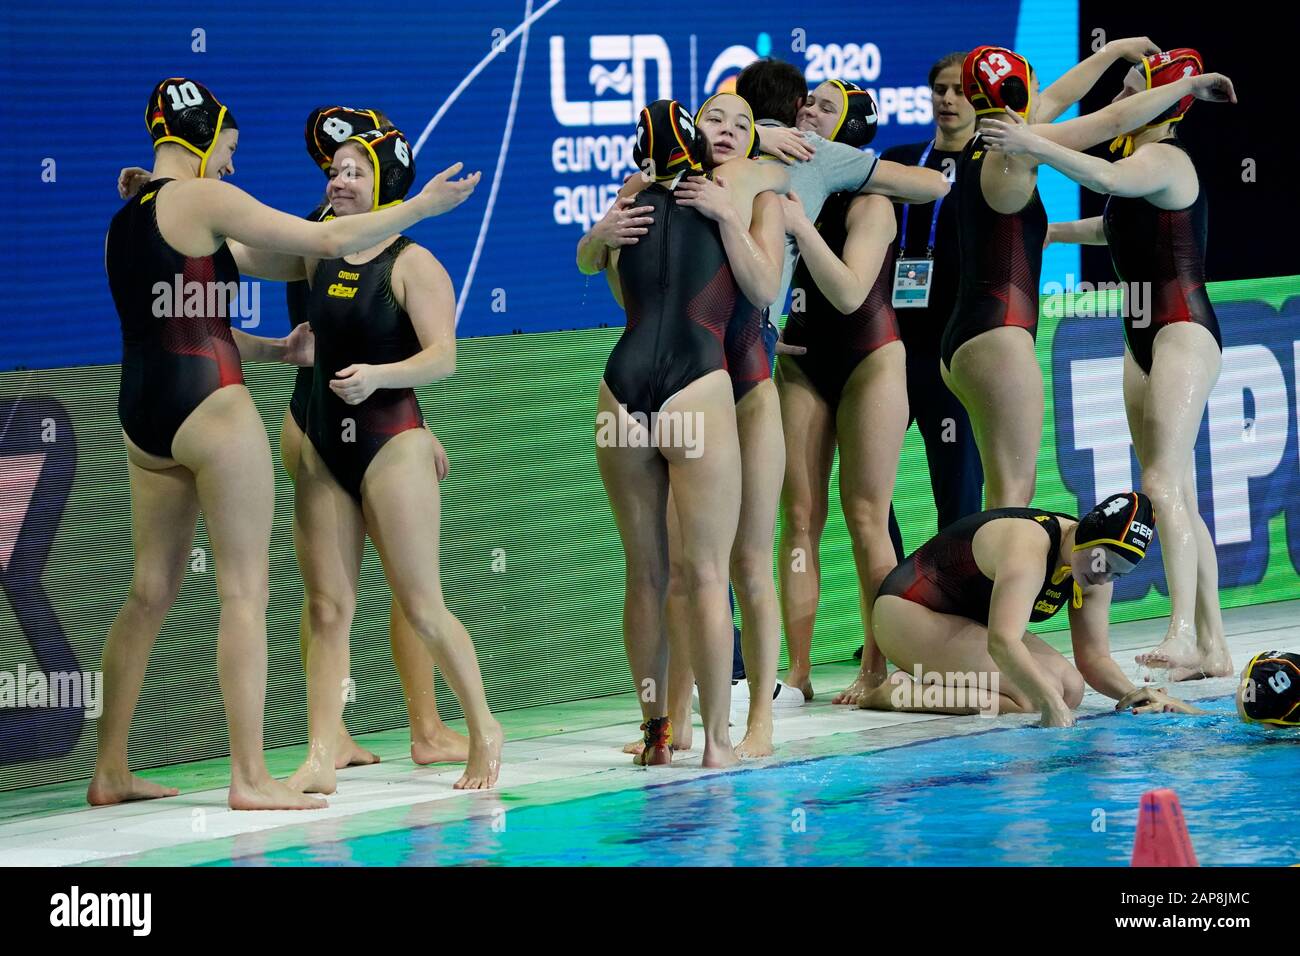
x,y
955,473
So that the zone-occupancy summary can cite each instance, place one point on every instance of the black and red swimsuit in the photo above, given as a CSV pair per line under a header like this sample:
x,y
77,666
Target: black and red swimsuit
x,y
171,359
1165,250
943,575
1001,259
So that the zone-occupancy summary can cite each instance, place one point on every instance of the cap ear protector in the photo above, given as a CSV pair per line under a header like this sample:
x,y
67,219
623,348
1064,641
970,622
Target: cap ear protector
x,y
1270,689
1161,69
1123,526
329,127
995,78
185,112
394,167
858,116
752,148
668,143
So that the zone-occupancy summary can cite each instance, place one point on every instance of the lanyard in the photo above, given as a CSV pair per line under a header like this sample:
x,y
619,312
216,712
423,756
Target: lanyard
x,y
934,220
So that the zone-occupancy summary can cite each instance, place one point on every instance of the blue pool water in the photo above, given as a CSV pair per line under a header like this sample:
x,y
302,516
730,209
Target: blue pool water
x,y
1008,797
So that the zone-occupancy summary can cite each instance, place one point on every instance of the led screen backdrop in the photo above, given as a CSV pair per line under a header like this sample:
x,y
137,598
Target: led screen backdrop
x,y
538,96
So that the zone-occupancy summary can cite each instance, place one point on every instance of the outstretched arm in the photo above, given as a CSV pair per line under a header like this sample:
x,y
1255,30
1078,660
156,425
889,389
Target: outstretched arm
x,y
1118,118
1083,232
1074,84
907,183
1146,172
272,244
1015,587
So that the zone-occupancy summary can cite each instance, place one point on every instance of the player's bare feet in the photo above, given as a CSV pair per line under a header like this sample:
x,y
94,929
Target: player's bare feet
x,y
314,776
349,753
1178,649
271,794
483,764
856,692
717,756
757,741
681,742
442,745
108,788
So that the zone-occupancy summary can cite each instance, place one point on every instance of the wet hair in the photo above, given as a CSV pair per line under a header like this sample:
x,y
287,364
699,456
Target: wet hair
x,y
943,63
774,89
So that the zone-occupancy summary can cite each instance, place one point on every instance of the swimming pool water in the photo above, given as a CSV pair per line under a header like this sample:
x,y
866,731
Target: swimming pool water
x,y
1009,797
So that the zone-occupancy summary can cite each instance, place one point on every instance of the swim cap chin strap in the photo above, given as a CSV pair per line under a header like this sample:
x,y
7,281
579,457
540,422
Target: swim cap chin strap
x,y
1124,143
390,157
1161,69
203,154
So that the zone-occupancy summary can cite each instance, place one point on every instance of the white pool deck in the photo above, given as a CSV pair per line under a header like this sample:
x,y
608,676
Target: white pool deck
x,y
552,753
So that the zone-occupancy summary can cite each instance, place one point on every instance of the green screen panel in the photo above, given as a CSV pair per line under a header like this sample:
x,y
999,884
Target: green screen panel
x,y
517,423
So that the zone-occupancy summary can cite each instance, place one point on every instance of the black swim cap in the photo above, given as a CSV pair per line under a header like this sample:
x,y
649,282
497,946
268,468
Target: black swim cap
x,y
858,117
185,112
1270,689
394,166
329,127
1123,525
668,142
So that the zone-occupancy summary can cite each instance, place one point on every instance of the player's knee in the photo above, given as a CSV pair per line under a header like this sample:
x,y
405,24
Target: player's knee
x,y
751,570
867,520
331,615
1072,687
152,593
653,577
801,519
428,614
1161,486
702,575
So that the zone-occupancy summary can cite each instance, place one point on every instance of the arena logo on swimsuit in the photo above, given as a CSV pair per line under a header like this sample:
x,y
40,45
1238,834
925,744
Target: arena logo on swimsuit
x,y
1248,452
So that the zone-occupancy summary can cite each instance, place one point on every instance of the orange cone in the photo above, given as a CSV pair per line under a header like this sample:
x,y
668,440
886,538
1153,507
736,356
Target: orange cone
x,y
1162,838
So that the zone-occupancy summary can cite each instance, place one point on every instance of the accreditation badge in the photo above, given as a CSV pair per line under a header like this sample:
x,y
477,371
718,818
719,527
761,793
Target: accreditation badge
x,y
912,281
